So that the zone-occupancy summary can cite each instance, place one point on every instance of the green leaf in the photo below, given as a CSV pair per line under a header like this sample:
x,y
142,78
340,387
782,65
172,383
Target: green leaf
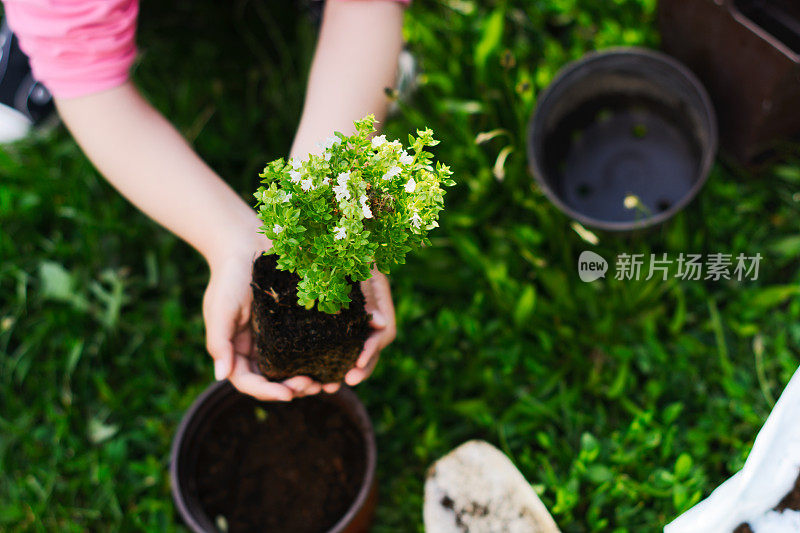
x,y
599,474
57,282
683,465
772,296
525,305
491,37
787,247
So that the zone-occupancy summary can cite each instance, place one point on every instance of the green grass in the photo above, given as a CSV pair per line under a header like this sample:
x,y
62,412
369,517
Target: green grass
x,y
623,402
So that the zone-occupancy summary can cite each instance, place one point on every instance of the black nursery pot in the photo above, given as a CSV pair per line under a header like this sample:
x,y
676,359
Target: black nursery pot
x,y
622,124
221,402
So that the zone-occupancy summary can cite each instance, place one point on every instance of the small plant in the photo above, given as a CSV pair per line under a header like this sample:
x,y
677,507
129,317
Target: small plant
x,y
362,201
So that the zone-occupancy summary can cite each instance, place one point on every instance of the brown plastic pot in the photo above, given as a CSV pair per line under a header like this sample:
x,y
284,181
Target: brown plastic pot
x,y
747,54
222,395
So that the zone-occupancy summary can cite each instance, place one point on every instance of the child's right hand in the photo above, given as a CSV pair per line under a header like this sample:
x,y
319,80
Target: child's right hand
x,y
229,338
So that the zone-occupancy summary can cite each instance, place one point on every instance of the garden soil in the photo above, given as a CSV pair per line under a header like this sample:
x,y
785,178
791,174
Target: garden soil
x,y
293,467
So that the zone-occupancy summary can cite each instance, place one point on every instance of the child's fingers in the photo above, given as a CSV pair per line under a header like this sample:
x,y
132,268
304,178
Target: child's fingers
x,y
243,341
378,295
354,376
221,349
330,388
357,375
361,372
371,346
303,385
314,388
298,383
220,324
376,342
255,385
378,321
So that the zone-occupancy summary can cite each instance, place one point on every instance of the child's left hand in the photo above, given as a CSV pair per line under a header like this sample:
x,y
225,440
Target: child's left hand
x,y
379,304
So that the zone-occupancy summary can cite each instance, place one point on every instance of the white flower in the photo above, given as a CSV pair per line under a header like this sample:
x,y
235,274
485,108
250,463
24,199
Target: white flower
x,y
405,158
392,172
329,142
277,228
340,233
295,176
286,196
326,181
364,207
306,184
415,220
341,192
379,140
296,163
411,185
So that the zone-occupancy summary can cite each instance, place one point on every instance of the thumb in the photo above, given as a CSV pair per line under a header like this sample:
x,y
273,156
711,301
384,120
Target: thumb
x,y
378,320
219,333
222,368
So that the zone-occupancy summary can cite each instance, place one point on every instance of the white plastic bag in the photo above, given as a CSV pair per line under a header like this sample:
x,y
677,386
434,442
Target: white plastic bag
x,y
768,474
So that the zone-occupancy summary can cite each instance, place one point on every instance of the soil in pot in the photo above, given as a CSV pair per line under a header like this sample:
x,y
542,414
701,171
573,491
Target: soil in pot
x,y
294,467
291,340
790,502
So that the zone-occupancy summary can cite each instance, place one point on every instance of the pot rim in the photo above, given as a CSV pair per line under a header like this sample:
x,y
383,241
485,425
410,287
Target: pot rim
x,y
344,398
707,157
759,31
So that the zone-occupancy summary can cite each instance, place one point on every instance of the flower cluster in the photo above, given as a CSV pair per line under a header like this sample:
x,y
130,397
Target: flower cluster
x,y
362,201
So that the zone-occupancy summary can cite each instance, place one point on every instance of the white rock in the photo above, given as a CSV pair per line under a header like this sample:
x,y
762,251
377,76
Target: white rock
x,y
477,489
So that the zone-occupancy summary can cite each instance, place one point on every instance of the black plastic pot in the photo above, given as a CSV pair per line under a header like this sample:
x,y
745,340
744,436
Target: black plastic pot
x,y
622,139
747,53
221,396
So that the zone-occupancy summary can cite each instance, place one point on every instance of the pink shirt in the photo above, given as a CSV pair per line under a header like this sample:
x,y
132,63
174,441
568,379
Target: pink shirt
x,y
77,47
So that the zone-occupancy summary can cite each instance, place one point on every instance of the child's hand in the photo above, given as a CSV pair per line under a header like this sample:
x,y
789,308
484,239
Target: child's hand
x,y
379,303
229,339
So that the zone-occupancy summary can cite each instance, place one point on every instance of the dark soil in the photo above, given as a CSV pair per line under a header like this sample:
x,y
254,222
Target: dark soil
x,y
290,467
291,340
790,501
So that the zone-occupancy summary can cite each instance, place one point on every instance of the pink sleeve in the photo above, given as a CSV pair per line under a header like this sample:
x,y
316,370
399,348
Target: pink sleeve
x,y
76,47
